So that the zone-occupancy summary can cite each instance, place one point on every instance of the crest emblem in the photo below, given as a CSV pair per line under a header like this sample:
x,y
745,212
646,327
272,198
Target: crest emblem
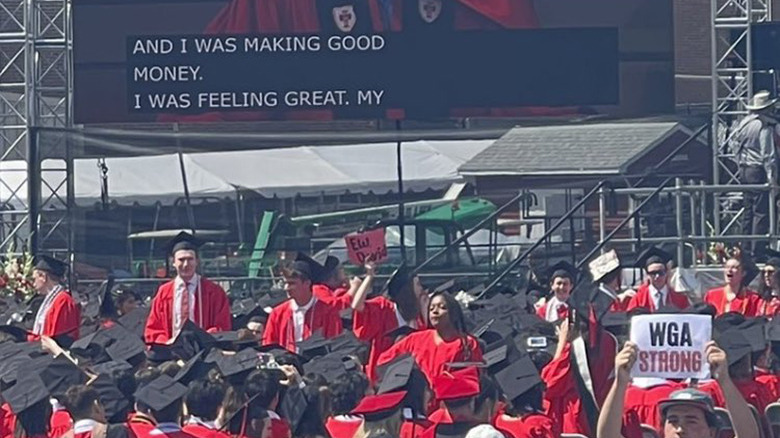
x,y
344,17
430,9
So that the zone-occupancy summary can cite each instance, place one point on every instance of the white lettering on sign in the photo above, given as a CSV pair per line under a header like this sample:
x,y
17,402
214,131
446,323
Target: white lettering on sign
x,y
671,346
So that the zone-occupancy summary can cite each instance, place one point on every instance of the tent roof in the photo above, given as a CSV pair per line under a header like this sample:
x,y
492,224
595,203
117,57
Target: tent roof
x,y
284,173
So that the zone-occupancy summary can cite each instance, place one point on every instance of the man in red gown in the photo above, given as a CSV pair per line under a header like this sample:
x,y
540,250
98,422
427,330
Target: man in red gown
x,y
59,315
562,279
303,314
189,296
606,271
656,293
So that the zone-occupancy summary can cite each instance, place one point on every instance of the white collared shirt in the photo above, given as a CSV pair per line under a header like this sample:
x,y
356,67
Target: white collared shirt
x,y
207,424
85,425
165,428
299,317
551,314
178,292
658,303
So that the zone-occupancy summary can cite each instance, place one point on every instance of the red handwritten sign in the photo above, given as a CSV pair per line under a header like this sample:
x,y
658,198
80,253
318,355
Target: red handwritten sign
x,y
368,245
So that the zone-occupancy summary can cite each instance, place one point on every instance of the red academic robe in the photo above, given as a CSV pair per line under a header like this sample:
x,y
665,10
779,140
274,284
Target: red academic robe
x,y
60,423
413,428
372,324
533,425
771,307
7,421
200,431
561,314
167,430
562,398
342,428
771,381
755,393
215,312
644,300
63,318
337,298
430,357
139,425
280,330
642,404
712,388
748,303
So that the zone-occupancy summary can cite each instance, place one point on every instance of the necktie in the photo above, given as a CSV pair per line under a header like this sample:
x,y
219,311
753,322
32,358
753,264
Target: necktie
x,y
658,298
185,303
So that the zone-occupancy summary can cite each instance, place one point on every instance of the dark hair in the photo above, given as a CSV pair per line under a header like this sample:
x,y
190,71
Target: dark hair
x,y
169,368
529,401
204,398
79,401
289,358
257,319
125,382
454,311
312,423
540,358
488,391
262,386
347,391
712,420
123,295
612,276
290,272
33,421
168,414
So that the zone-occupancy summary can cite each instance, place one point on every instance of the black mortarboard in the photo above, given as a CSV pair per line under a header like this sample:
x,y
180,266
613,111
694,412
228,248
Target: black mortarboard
x,y
27,391
233,340
562,269
18,333
517,378
616,322
244,310
51,265
60,373
159,353
329,267
194,369
346,315
402,373
234,366
496,331
135,320
9,367
190,340
773,258
183,241
734,344
651,255
754,330
313,346
111,367
346,343
772,331
126,347
307,266
111,398
399,282
330,366
293,407
161,393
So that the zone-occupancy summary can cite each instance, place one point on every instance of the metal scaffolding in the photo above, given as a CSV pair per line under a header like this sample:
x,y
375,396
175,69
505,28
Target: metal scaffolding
x,y
732,87
35,91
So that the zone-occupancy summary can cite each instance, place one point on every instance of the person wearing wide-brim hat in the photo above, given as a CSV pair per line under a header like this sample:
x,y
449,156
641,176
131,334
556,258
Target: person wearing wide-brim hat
x,y
756,154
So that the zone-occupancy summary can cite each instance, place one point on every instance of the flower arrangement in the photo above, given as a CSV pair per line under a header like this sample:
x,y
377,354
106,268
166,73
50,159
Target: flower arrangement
x,y
16,276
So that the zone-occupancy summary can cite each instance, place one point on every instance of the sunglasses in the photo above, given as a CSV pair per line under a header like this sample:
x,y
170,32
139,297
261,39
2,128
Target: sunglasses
x,y
656,273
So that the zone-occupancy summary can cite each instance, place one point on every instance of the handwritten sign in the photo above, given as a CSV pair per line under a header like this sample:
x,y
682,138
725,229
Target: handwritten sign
x,y
369,245
671,346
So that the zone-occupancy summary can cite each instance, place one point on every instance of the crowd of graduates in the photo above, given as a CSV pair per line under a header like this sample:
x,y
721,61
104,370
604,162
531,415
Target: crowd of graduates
x,y
332,357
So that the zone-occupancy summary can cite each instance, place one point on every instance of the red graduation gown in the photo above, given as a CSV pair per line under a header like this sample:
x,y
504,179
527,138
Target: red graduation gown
x,y
337,298
166,431
562,399
430,357
561,314
533,425
644,300
280,330
216,312
63,318
139,425
372,324
200,431
60,423
748,303
338,428
642,404
770,308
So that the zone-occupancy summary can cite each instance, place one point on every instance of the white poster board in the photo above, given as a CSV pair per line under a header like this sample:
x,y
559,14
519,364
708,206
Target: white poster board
x,y
671,346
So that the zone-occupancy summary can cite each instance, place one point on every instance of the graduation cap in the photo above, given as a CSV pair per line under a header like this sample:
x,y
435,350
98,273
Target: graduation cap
x,y
308,267
518,378
329,267
236,365
773,258
233,340
111,367
125,347
26,393
604,265
652,255
51,265
9,367
380,406
754,330
616,323
161,393
59,374
159,353
562,269
495,331
194,369
346,343
18,334
460,384
190,340
313,346
135,320
735,344
183,241
294,407
331,366
399,285
246,309
111,398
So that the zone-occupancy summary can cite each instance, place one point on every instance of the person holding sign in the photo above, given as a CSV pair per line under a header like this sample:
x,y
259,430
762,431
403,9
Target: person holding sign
x,y
296,319
735,296
656,293
687,413
562,278
328,281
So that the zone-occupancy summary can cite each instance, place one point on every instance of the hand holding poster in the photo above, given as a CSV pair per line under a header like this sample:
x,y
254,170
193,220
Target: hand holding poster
x,y
369,245
671,346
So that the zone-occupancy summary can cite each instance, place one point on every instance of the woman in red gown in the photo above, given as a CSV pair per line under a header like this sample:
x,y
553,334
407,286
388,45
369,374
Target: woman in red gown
x,y
735,296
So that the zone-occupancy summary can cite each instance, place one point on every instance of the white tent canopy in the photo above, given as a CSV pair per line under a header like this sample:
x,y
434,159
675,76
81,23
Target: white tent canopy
x,y
305,171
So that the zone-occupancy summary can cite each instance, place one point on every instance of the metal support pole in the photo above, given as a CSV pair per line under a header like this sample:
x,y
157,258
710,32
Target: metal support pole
x,y
70,200
772,213
33,188
703,227
678,206
401,203
602,213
